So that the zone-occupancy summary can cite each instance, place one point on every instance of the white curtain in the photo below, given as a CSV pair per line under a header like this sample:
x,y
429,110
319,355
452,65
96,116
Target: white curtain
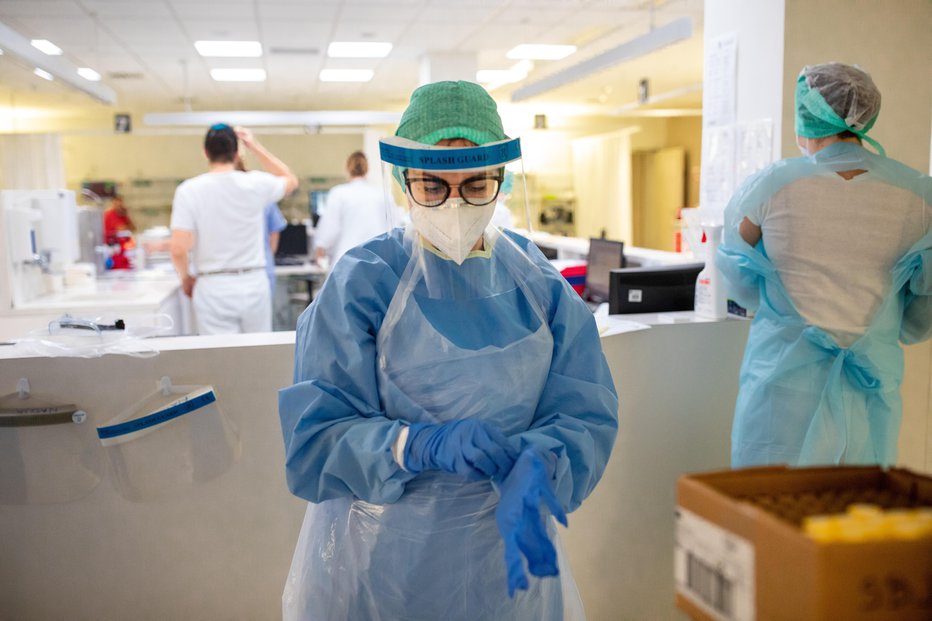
x,y
602,179
31,162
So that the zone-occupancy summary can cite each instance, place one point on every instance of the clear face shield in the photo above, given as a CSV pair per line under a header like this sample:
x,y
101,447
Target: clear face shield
x,y
456,195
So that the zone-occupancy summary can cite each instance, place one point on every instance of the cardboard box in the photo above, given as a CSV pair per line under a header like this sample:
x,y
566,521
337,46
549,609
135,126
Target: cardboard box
x,y
741,555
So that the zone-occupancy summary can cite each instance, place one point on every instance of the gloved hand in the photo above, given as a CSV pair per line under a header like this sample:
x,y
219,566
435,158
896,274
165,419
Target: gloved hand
x,y
468,447
521,522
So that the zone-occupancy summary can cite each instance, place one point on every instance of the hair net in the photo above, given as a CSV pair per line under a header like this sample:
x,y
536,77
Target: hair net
x,y
445,110
832,98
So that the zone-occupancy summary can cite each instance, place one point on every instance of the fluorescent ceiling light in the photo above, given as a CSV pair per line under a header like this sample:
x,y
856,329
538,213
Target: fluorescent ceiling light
x,y
88,74
46,46
494,78
656,39
346,75
533,51
237,49
45,75
358,49
238,75
59,67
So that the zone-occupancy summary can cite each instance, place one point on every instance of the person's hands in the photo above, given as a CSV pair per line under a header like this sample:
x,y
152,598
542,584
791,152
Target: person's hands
x,y
187,285
521,522
246,136
468,447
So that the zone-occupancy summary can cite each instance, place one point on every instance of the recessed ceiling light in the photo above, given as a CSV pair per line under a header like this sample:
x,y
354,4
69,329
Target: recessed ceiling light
x,y
238,49
346,75
531,51
359,49
46,46
45,75
238,75
89,74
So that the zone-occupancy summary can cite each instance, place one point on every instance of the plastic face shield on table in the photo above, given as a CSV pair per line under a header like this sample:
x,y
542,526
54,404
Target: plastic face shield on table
x,y
451,191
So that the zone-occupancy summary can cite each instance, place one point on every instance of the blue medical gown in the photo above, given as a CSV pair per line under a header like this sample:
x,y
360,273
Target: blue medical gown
x,y
393,340
803,399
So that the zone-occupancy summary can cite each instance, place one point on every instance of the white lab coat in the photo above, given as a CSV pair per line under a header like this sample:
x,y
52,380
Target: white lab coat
x,y
355,212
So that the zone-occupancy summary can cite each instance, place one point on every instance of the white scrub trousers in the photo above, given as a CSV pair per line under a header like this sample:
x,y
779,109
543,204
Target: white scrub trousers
x,y
233,303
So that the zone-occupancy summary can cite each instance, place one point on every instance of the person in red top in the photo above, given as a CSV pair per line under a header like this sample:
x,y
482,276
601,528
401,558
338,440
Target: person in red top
x,y
116,219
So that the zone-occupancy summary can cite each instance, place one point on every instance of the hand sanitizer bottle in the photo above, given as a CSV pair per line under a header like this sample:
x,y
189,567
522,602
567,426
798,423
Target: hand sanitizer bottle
x,y
710,294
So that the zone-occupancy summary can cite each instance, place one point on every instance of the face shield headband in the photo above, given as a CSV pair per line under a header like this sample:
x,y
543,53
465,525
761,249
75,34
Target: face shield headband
x,y
403,154
451,222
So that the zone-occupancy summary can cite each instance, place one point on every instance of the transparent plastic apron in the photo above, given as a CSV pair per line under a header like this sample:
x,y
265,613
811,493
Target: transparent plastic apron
x,y
436,553
47,452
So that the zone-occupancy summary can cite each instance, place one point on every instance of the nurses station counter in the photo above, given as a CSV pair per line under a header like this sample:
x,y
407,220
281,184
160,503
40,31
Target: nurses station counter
x,y
122,294
142,524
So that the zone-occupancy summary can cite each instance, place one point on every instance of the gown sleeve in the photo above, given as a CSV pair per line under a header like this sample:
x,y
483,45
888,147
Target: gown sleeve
x,y
739,263
917,316
577,414
338,440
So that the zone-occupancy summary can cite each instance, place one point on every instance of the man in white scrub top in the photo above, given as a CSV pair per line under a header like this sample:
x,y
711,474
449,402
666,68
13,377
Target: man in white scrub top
x,y
218,218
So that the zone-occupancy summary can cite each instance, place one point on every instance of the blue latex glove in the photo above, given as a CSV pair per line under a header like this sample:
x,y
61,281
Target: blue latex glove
x,y
521,522
468,447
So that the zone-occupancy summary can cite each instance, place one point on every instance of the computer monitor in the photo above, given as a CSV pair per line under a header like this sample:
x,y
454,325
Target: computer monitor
x,y
548,251
655,289
604,256
293,241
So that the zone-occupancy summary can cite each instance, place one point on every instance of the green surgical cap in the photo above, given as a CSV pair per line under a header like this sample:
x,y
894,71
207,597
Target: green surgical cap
x,y
445,110
832,98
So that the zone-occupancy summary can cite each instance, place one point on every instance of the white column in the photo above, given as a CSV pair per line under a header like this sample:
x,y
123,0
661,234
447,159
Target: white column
x,y
448,66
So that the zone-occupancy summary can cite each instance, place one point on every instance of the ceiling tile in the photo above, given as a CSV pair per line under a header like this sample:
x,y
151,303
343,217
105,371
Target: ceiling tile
x,y
39,8
313,12
539,17
58,30
152,37
221,29
127,8
368,30
279,33
210,10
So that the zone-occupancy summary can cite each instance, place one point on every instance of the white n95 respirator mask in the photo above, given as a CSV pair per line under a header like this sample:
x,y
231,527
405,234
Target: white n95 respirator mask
x,y
453,227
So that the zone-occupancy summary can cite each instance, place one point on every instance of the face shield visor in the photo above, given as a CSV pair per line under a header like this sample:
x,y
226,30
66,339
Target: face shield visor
x,y
453,193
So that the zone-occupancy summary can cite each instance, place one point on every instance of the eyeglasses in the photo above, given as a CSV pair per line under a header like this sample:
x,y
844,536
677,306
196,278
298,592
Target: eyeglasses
x,y
434,191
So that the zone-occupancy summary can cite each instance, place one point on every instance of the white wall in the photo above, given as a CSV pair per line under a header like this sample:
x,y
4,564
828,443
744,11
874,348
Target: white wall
x,y
759,29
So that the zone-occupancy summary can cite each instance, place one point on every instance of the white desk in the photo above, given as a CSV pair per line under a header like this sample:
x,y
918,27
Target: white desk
x,y
127,294
307,268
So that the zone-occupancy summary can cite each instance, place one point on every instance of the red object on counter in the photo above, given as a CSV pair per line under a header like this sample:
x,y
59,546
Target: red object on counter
x,y
576,276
